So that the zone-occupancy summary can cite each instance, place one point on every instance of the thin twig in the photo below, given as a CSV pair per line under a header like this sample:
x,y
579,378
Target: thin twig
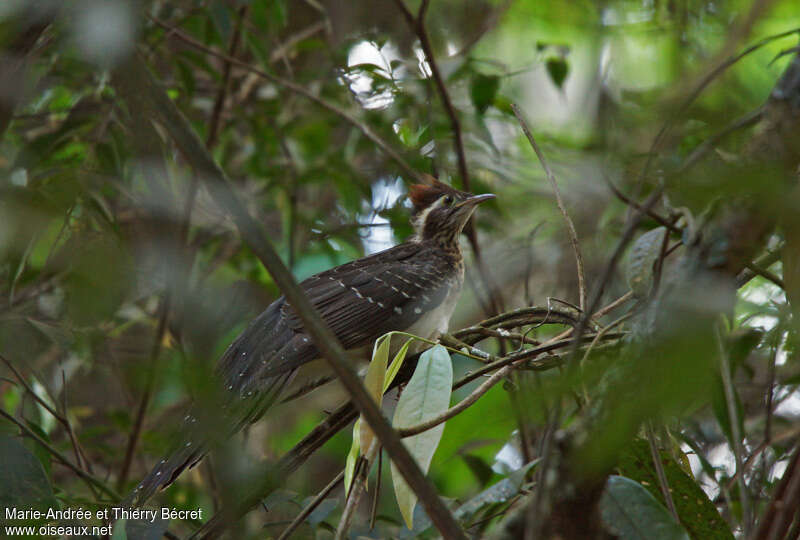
x,y
61,418
660,474
709,144
88,478
764,261
751,459
573,235
144,402
357,489
458,407
630,202
222,93
766,274
527,356
287,532
417,25
736,435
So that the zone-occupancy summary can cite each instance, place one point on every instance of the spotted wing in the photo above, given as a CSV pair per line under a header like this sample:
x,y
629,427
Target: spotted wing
x,y
368,297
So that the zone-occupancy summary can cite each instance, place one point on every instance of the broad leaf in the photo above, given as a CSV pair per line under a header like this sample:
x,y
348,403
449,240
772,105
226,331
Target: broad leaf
x,y
697,513
426,396
630,512
643,255
24,484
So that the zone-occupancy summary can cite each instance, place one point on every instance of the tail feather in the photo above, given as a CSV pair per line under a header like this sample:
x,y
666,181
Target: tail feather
x,y
255,370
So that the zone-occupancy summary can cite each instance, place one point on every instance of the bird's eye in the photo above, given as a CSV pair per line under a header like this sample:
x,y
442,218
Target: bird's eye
x,y
448,200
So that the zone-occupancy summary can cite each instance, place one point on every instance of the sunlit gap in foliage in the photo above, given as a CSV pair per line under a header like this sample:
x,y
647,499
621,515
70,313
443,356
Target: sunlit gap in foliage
x,y
371,74
628,14
379,235
757,306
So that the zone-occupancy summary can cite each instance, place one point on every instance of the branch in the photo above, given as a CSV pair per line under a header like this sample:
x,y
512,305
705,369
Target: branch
x,y
144,402
61,418
530,354
573,236
630,202
357,489
88,478
323,338
287,532
417,26
764,261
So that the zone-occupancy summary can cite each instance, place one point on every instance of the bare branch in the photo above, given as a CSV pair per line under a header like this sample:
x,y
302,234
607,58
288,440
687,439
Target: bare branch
x,y
573,236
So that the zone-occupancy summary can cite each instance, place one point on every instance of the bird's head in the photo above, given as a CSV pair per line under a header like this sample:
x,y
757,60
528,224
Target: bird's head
x,y
440,211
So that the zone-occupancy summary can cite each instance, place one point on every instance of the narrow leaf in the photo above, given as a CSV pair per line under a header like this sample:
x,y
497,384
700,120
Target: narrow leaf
x,y
697,513
373,382
396,364
426,396
352,456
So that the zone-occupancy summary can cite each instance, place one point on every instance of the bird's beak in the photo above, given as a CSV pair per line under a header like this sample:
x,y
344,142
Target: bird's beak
x,y
475,200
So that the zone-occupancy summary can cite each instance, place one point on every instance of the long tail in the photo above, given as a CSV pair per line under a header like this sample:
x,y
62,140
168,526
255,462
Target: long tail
x,y
255,370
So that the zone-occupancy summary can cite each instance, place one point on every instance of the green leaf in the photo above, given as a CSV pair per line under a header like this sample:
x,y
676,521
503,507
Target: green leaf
x,y
482,90
426,396
396,364
352,456
643,255
629,511
373,382
557,68
697,513
25,484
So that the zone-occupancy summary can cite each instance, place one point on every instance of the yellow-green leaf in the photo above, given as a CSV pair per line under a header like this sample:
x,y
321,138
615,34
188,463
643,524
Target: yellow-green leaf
x,y
373,382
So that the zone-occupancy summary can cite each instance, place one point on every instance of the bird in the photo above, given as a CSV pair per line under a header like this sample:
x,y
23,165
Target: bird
x,y
411,287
